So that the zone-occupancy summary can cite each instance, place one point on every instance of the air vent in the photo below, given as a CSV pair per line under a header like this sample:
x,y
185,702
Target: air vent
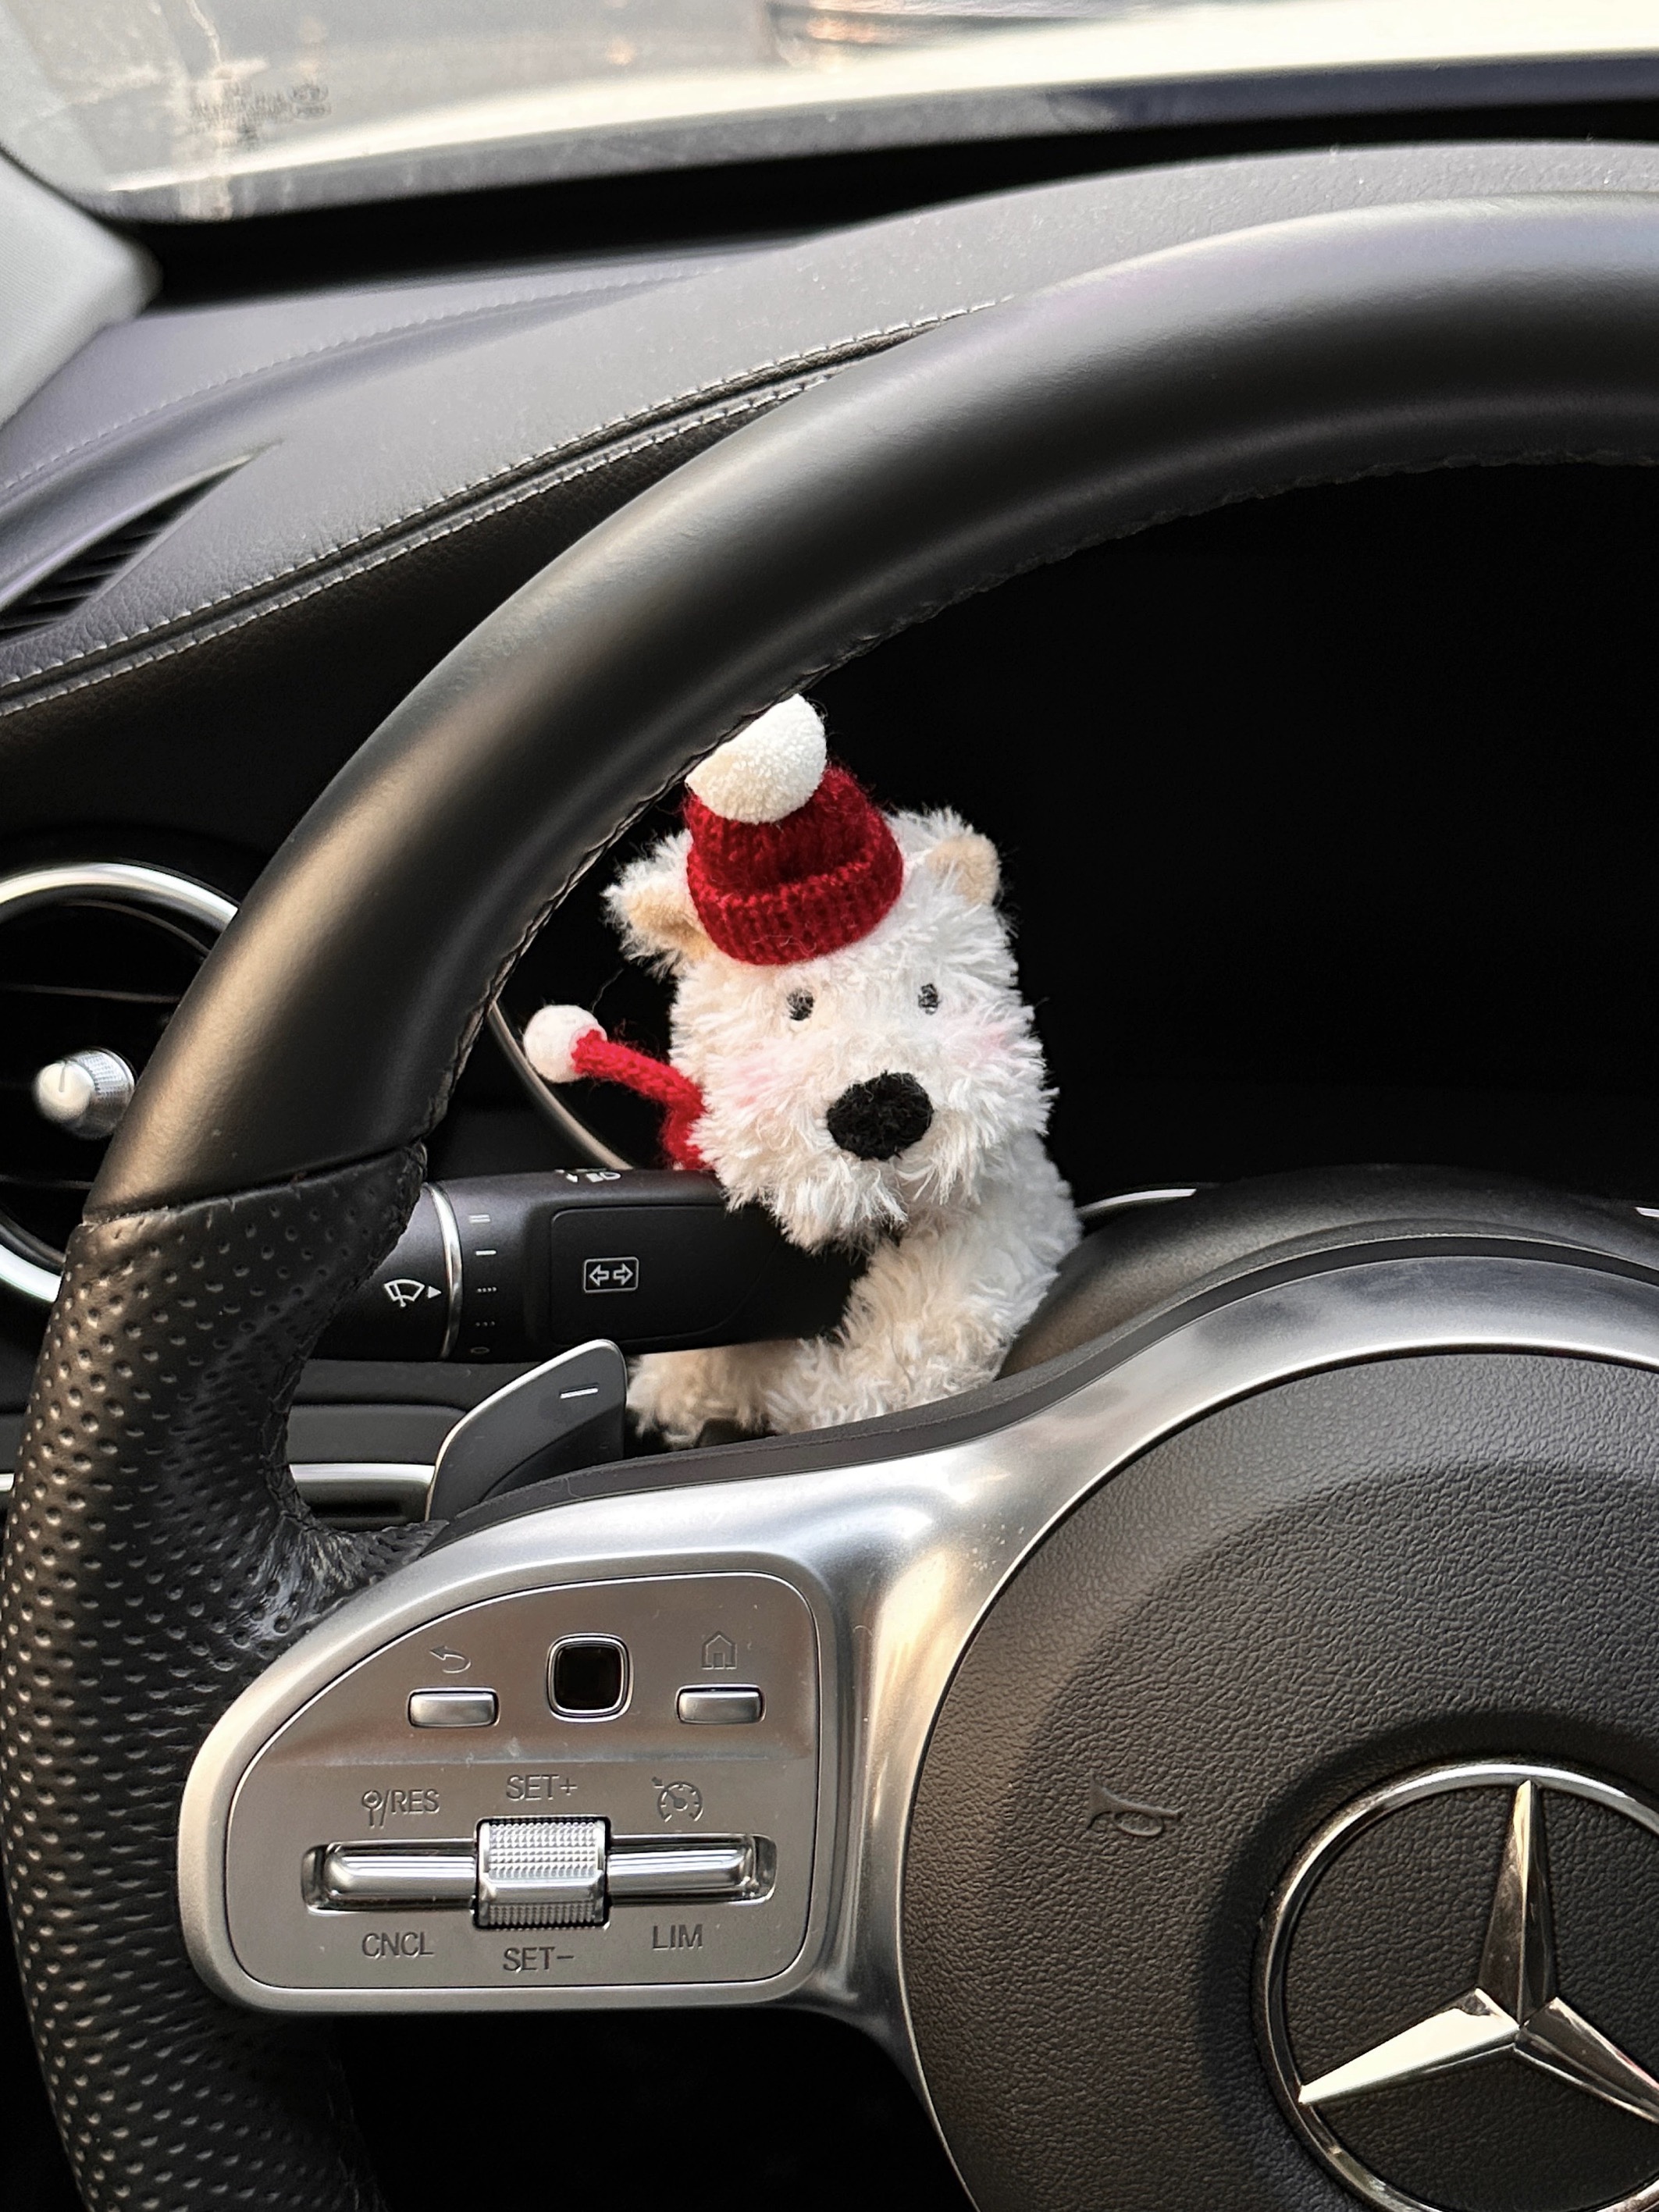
x,y
88,569
95,955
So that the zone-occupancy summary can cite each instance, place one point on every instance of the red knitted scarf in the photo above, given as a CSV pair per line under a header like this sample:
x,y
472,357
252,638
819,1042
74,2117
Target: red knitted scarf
x,y
681,1099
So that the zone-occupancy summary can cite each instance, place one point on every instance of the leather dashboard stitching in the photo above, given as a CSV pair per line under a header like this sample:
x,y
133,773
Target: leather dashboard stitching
x,y
822,358
381,555
479,310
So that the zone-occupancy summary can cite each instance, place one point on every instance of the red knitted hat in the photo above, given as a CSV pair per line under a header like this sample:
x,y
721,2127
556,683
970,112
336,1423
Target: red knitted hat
x,y
789,857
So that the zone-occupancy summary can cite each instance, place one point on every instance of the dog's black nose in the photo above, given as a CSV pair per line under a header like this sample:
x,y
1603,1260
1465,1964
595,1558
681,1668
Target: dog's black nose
x,y
882,1118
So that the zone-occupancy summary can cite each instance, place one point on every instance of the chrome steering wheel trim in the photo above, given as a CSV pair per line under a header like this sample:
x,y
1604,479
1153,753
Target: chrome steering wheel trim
x,y
899,1561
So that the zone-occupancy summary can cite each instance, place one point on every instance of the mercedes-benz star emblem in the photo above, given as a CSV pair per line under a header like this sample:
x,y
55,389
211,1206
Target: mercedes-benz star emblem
x,y
1515,2011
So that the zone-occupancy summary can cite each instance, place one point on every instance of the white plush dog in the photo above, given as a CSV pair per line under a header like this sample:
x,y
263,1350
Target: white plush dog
x,y
848,1048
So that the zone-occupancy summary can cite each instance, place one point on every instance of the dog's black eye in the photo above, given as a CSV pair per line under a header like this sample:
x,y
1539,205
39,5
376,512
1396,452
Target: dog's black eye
x,y
798,1005
927,998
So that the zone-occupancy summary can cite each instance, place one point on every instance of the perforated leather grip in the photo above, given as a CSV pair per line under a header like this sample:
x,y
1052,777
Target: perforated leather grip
x,y
157,1557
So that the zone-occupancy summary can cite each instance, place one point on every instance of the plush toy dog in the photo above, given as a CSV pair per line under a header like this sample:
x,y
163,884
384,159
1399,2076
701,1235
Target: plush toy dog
x,y
849,1048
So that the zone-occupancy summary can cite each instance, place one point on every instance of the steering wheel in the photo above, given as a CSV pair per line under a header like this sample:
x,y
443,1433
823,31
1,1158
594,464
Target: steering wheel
x,y
1149,1748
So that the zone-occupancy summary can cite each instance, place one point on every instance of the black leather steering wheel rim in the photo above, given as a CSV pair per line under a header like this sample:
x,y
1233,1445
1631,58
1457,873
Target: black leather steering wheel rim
x,y
157,1555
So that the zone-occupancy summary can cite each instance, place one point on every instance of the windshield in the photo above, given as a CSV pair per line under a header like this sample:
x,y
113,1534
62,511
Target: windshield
x,y
204,109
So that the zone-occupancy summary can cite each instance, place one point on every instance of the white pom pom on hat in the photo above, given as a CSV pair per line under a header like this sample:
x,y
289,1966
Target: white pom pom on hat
x,y
551,1038
769,770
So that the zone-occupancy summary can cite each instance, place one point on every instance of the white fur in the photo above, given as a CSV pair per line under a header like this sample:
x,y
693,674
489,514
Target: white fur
x,y
767,770
549,1040
963,1231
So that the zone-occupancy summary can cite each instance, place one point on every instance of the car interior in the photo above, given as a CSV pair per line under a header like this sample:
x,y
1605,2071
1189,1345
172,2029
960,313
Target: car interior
x,y
1204,1752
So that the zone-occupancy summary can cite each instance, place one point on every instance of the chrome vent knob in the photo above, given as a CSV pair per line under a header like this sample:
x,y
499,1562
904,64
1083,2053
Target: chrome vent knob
x,y
86,1093
92,953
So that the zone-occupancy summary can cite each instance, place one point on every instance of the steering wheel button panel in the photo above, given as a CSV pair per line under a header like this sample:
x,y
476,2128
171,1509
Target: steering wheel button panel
x,y
362,1855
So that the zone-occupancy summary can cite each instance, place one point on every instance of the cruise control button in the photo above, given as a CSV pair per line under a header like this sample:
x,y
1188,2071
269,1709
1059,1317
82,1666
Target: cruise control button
x,y
451,1709
722,1708
541,1874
